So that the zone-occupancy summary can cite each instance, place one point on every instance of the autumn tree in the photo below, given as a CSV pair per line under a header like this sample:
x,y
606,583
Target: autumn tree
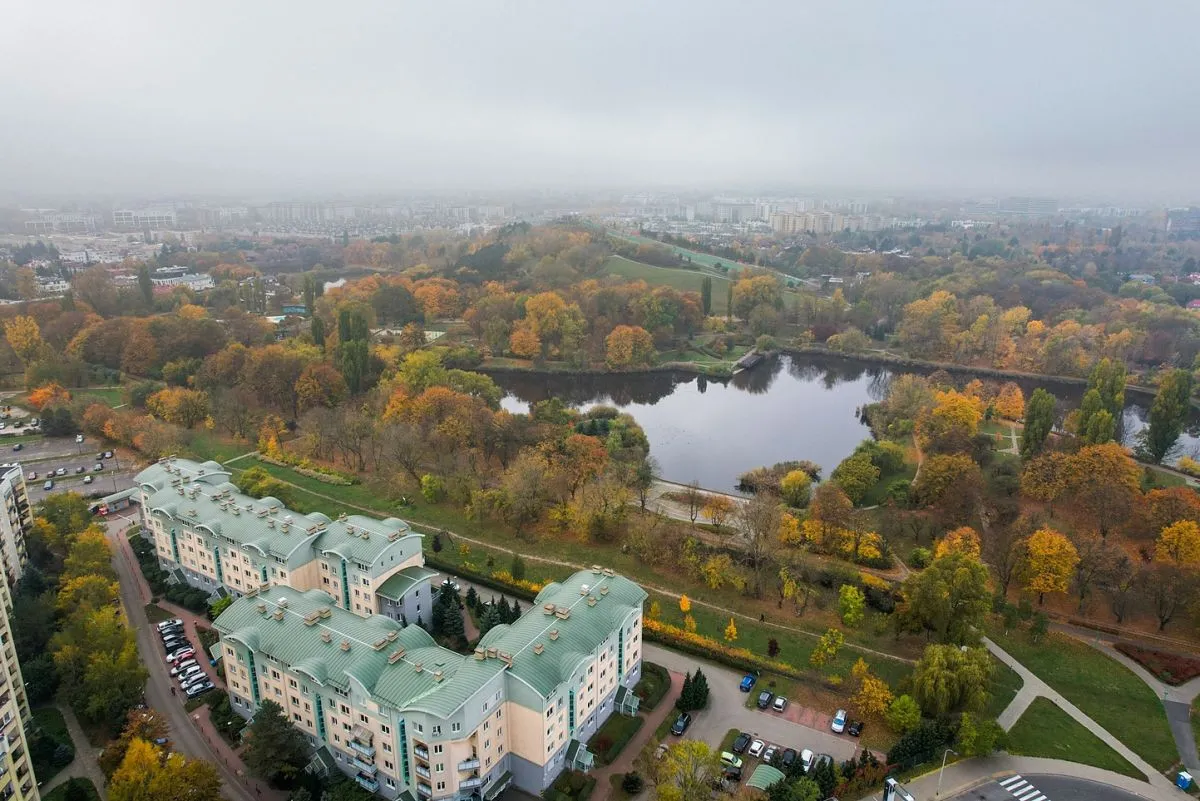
x,y
148,725
717,508
524,341
951,423
1103,483
687,770
852,605
904,714
1099,561
1010,402
871,696
149,774
758,521
827,648
183,407
1179,544
629,346
929,325
1050,559
320,384
24,337
951,484
50,394
963,539
796,488
1168,414
830,509
949,599
855,475
1039,422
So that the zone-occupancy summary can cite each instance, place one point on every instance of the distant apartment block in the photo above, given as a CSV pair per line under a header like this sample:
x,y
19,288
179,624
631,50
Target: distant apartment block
x,y
61,224
406,718
1184,221
211,536
282,212
194,281
17,781
154,218
15,522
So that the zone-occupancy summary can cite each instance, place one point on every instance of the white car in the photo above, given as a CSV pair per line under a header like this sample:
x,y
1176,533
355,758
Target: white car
x,y
756,748
79,437
806,759
182,666
839,722
186,674
166,624
779,704
182,654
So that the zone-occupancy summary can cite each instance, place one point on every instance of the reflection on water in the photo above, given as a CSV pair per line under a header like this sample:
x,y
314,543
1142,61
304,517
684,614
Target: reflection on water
x,y
787,407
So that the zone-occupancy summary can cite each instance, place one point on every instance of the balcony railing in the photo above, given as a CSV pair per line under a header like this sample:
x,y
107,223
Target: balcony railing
x,y
424,789
367,783
421,751
469,764
467,784
365,767
365,750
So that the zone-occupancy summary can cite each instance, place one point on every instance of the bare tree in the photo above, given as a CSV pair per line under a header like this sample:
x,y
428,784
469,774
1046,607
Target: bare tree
x,y
694,499
1097,558
401,444
1120,585
758,520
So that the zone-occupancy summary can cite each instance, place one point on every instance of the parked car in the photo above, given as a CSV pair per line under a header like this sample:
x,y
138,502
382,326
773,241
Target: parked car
x,y
87,479
788,758
756,748
187,673
97,467
748,682
450,584
49,485
681,724
855,728
108,455
34,422
730,760
769,754
175,642
32,476
79,470
172,631
197,689
839,722
181,655
182,666
765,698
740,743
79,437
780,703
731,773
822,759
18,446
168,623
806,759
62,471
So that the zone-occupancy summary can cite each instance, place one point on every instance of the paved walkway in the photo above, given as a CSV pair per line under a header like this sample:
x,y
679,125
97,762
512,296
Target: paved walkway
x,y
84,765
961,776
633,749
1177,701
1034,687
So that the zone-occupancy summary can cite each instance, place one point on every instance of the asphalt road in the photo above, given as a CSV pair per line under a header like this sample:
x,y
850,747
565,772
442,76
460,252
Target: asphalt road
x,y
44,456
186,738
1044,788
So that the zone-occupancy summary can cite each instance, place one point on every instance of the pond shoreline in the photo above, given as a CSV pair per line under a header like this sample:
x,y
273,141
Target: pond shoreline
x,y
691,368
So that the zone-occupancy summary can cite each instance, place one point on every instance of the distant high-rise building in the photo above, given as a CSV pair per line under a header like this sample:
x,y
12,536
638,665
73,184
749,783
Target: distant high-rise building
x,y
1184,221
14,522
17,781
61,224
154,218
1038,206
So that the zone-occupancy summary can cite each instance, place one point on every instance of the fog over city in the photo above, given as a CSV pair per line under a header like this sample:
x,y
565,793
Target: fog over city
x,y
312,97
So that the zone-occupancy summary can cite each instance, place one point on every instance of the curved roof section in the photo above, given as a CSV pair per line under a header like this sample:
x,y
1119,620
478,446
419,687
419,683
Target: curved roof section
x,y
201,495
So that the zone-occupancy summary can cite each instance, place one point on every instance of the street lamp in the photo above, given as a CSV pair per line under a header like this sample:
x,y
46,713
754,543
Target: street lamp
x,y
949,751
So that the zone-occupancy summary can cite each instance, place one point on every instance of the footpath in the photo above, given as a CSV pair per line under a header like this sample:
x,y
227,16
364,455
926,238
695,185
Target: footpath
x,y
85,764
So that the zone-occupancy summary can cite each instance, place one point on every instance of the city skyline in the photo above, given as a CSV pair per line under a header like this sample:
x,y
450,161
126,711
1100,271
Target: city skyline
x,y
296,101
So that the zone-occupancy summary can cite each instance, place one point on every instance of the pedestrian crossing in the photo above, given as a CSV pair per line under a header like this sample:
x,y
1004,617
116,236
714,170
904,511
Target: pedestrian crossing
x,y
1021,789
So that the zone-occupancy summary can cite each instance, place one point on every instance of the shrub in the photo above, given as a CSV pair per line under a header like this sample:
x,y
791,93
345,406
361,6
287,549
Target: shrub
x,y
920,558
633,783
1173,669
921,744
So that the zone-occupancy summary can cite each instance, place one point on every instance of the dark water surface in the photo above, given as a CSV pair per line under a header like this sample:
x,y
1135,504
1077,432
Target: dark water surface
x,y
788,407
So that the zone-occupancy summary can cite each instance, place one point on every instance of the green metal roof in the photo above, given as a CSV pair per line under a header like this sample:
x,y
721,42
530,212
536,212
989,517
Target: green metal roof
x,y
764,776
585,627
274,622
400,583
200,495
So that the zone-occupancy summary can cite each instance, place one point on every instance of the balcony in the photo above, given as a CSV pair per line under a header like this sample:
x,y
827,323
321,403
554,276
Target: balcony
x,y
365,767
365,750
362,734
469,764
421,751
423,771
467,784
425,790
367,783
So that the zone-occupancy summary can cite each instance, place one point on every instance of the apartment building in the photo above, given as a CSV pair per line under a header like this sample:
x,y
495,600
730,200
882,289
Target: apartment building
x,y
407,718
154,218
210,535
14,522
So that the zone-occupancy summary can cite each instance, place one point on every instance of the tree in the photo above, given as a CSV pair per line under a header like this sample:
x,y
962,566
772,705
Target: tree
x,y
951,484
827,648
731,632
145,285
950,599
978,737
855,475
685,604
852,605
706,286
830,508
951,422
140,724
686,771
758,521
629,346
717,509
873,698
1010,402
796,488
147,774
904,714
317,330
89,554
1050,559
1168,588
183,407
1039,421
1168,414
693,498
962,540
320,384
48,395
948,679
24,337
275,750
1179,544
1103,482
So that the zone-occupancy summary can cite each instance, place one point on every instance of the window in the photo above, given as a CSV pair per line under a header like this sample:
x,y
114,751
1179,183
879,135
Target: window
x,y
387,764
455,727
439,767
362,718
420,729
441,785
486,725
292,683
387,746
385,729
437,749
345,709
435,731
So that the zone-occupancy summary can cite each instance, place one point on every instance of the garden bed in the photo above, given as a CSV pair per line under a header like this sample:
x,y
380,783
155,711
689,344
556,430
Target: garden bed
x,y
654,684
1173,669
610,739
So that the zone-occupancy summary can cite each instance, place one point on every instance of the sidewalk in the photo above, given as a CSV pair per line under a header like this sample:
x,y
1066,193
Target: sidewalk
x,y
229,757
84,765
1034,687
634,747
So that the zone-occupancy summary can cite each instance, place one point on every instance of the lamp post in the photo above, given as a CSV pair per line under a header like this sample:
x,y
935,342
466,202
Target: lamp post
x,y
949,751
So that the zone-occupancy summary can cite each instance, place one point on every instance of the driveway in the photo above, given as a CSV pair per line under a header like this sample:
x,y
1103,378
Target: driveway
x,y
726,710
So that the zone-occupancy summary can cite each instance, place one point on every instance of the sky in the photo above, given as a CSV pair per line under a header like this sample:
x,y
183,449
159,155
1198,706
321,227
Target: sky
x,y
300,97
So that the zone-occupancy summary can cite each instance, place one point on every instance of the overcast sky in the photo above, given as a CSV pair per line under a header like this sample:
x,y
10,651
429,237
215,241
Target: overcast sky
x,y
304,97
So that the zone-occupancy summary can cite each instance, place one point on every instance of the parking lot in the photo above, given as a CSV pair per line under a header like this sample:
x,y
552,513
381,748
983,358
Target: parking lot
x,y
42,457
186,663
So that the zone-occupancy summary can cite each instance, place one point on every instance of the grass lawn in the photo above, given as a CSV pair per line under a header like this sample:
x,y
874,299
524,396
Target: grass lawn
x,y
1105,690
51,721
1005,686
878,492
1047,731
48,722
113,396
1153,478
654,684
683,280
1196,720
156,614
205,445
60,793
610,739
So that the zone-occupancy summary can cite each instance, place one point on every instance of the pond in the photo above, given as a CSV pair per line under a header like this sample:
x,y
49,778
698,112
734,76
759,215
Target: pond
x,y
788,407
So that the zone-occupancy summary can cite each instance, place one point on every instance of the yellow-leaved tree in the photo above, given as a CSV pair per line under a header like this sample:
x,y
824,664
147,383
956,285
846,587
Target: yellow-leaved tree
x,y
24,337
1179,544
685,604
731,633
962,540
1049,560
